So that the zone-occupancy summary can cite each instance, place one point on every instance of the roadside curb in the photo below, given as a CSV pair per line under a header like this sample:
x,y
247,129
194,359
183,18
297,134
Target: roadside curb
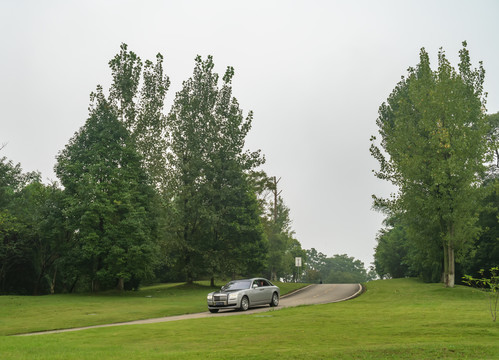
x,y
361,290
296,291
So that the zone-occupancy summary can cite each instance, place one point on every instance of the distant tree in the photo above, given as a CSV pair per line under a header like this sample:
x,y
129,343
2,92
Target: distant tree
x,y
40,209
342,269
493,139
390,255
316,262
108,200
16,273
485,253
276,219
281,239
434,130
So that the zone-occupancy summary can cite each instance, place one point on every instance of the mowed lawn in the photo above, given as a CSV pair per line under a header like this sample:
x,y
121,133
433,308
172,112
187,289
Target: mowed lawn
x,y
22,314
393,319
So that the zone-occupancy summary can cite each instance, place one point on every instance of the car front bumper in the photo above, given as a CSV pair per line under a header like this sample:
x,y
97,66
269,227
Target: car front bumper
x,y
221,304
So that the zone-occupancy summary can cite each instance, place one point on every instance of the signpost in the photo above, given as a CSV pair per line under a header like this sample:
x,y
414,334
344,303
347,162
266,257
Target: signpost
x,y
298,261
298,265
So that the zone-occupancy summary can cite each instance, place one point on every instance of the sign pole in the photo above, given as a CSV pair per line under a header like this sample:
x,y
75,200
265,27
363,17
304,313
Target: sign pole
x,y
298,267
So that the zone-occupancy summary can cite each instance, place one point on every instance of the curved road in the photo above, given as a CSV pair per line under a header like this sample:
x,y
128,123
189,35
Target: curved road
x,y
310,295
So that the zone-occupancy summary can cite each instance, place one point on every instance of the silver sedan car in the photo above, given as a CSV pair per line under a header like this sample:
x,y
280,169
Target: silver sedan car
x,y
243,294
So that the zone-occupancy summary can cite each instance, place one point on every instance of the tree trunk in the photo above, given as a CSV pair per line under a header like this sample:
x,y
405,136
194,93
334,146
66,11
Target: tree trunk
x,y
73,286
36,288
52,285
446,265
121,284
212,281
449,266
95,285
2,277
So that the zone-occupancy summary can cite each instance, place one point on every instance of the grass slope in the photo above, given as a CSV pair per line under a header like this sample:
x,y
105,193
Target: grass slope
x,y
395,319
22,314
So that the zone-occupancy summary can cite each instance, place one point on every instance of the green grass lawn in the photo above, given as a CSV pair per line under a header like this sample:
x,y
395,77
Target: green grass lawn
x,y
394,319
21,314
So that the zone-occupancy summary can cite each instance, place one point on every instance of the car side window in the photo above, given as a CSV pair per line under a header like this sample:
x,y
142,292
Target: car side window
x,y
265,283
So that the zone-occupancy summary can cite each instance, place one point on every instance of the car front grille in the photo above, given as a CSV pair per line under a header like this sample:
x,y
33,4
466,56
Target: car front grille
x,y
220,298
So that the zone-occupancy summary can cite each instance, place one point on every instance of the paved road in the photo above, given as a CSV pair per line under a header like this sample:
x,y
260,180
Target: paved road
x,y
310,295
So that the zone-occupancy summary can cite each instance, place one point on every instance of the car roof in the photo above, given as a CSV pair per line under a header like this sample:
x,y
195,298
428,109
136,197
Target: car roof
x,y
250,279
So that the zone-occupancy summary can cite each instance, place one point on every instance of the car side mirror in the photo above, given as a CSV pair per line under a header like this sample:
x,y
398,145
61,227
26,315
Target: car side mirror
x,y
255,286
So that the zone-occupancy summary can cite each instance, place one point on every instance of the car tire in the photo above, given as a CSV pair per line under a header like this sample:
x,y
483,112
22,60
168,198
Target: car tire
x,y
244,303
275,300
213,311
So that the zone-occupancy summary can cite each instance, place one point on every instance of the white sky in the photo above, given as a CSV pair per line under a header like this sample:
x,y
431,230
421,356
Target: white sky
x,y
313,72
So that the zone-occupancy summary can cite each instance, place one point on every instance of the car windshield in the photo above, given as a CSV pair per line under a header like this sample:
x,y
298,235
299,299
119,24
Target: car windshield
x,y
237,285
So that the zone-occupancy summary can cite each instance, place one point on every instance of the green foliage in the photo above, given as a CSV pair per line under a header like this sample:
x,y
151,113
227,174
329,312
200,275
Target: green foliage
x,y
434,130
339,269
391,251
141,110
485,253
491,285
275,216
213,222
493,139
108,201
143,192
31,231
283,247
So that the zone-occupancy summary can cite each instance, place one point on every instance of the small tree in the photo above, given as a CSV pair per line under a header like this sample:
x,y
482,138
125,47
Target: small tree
x,y
490,285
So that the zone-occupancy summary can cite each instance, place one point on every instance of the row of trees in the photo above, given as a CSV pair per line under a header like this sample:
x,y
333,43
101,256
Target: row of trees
x,y
438,147
147,196
339,269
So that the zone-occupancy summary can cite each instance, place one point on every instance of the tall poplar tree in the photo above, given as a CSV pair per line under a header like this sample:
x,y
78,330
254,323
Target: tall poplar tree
x,y
138,92
215,221
434,132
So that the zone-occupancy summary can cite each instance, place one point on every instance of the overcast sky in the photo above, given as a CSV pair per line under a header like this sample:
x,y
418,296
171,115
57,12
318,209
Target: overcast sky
x,y
313,72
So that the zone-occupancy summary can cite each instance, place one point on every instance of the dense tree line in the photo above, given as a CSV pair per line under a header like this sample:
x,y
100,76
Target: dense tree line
x,y
147,196
339,269
438,147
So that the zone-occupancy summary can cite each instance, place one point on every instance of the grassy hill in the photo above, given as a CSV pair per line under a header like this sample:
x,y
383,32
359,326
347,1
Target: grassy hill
x,y
394,319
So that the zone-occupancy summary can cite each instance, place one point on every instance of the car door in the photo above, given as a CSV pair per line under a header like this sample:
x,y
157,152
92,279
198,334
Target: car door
x,y
267,291
260,292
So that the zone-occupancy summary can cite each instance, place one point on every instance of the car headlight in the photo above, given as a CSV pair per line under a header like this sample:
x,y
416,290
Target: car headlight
x,y
209,297
232,296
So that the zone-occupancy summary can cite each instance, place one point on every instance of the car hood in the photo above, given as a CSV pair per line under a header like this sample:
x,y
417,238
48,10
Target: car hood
x,y
224,292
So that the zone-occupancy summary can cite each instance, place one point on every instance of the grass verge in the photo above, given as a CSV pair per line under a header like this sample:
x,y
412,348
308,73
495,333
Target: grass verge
x,y
23,314
395,319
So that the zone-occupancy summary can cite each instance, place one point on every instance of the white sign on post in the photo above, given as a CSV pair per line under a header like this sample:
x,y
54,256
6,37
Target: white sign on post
x,y
298,261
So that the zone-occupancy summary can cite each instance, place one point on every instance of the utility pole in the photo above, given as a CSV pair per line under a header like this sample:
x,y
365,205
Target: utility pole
x,y
276,197
273,187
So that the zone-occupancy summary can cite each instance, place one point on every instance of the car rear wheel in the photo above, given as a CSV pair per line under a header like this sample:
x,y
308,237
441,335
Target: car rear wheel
x,y
244,303
275,300
213,311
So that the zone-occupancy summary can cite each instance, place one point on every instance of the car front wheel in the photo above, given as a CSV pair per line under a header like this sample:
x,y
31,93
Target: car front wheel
x,y
244,303
275,300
